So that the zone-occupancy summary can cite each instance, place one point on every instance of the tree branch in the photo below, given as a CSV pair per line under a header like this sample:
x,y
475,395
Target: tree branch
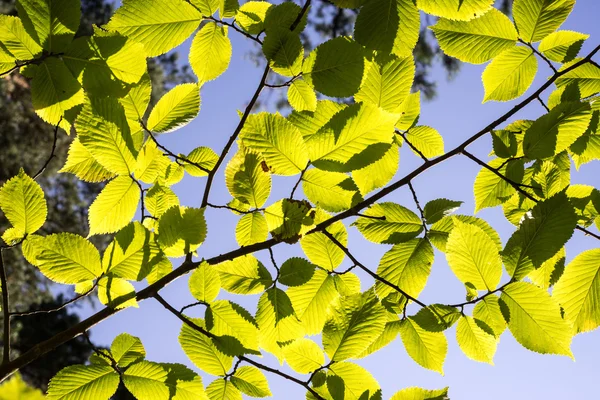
x,y
234,27
52,155
419,152
552,67
299,180
5,312
416,199
52,310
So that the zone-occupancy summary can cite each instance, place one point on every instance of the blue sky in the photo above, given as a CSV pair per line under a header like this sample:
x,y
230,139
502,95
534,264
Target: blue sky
x,y
456,113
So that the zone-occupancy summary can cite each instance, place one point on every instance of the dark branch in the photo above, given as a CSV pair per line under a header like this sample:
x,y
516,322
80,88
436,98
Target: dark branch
x,y
419,152
52,310
416,199
226,207
543,104
234,27
52,155
299,180
198,303
552,67
5,312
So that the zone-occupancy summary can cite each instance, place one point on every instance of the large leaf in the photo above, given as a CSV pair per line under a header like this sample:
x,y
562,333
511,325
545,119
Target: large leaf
x,y
205,283
247,180
23,203
426,140
115,206
578,291
304,356
175,109
534,318
16,40
103,130
210,52
332,191
473,256
389,223
283,49
132,253
63,257
244,275
554,132
562,46
279,142
406,265
509,75
476,339
52,24
478,40
319,249
225,318
378,173
160,25
84,382
461,10
388,26
251,381
251,228
426,347
335,68
81,163
146,381
541,235
202,352
355,322
536,19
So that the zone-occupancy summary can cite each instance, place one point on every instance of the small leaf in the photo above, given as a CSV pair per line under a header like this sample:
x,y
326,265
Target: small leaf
x,y
244,275
175,109
536,19
437,209
205,283
389,223
562,46
251,381
509,75
23,203
210,52
146,381
114,207
304,356
476,339
426,348
127,349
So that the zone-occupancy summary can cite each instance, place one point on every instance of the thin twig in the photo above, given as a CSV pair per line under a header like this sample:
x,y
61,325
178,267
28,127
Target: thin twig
x,y
227,207
235,27
5,311
274,265
380,218
543,104
413,147
285,84
416,199
142,207
552,67
198,303
299,180
52,310
102,354
29,62
52,155
478,299
234,369
368,271
344,272
321,368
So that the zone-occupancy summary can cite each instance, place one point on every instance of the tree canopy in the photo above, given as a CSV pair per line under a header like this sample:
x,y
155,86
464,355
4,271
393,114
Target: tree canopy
x,y
354,104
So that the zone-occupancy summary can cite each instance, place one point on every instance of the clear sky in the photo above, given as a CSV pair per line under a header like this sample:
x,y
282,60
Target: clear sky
x,y
456,113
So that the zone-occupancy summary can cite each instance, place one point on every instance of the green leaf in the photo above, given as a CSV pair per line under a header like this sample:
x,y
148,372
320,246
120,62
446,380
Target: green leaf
x,y
63,257
23,203
225,318
127,349
221,389
309,123
437,209
332,191
536,19
491,190
106,64
586,78
439,232
509,75
406,265
387,85
160,25
132,253
205,283
389,334
587,147
162,268
210,52
389,223
319,249
251,228
556,131
409,110
288,219
488,311
379,173
295,271
473,256
578,290
417,393
54,91
478,40
277,322
183,383
114,207
202,352
283,16
542,233
279,142
476,339
301,96
151,163
354,138
228,8
388,26
427,140
16,40
182,230
534,319
203,156
426,348
562,46
84,382
335,68
349,381
175,109
304,356
137,99
311,301
159,199
146,381
52,24
103,130
251,381
251,16
461,10
83,165
248,179
116,292
355,322
550,271
244,275
283,49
